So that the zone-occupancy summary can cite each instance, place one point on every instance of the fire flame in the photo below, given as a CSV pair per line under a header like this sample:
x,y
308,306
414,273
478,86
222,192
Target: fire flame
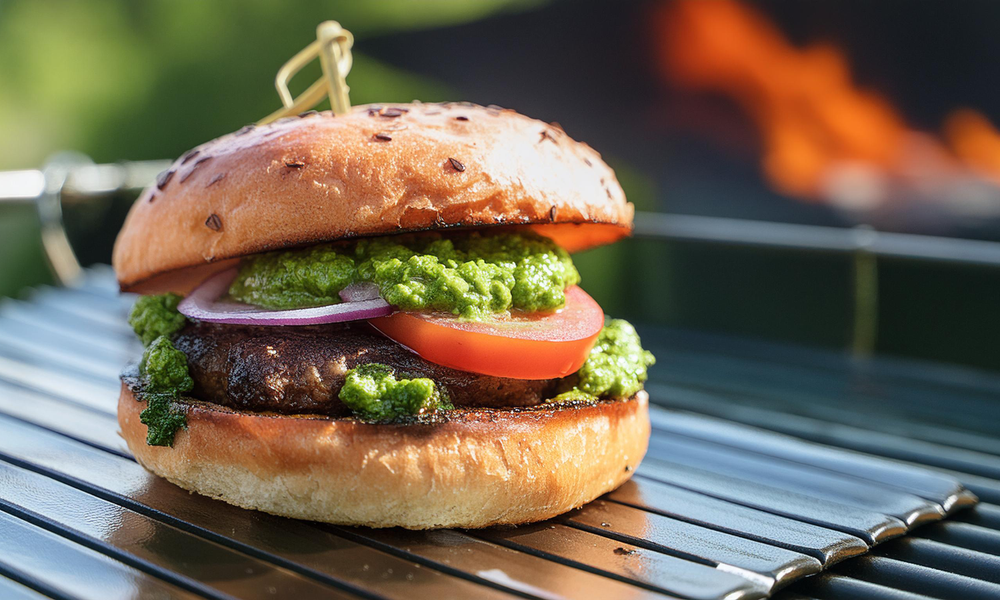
x,y
975,141
812,118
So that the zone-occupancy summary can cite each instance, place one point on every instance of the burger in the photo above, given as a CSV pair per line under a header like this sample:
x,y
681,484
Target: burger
x,y
374,319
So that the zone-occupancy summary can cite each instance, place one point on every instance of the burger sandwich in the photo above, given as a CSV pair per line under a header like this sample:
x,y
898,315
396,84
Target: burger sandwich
x,y
374,319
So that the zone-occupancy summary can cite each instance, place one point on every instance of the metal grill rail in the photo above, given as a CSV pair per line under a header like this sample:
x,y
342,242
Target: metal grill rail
x,y
718,510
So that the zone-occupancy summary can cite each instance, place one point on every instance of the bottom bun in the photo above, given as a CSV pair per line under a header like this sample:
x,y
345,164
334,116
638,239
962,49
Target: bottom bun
x,y
470,468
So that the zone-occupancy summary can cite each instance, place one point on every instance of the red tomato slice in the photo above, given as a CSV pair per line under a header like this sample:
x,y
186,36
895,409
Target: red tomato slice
x,y
535,346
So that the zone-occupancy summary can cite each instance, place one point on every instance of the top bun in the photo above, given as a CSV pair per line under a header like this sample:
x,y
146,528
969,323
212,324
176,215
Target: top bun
x,y
376,171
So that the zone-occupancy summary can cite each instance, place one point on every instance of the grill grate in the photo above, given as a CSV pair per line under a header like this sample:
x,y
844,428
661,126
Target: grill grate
x,y
721,508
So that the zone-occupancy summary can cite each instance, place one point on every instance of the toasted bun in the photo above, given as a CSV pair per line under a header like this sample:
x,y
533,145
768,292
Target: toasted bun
x,y
375,171
477,468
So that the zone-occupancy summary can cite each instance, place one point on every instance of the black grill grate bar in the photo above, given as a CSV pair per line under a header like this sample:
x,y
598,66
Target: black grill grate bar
x,y
96,429
12,590
33,331
53,351
886,415
777,473
871,527
882,370
28,553
785,378
660,570
944,557
765,583
52,319
98,302
159,549
944,490
651,570
56,394
918,579
25,390
984,488
34,342
871,417
826,545
769,565
890,422
983,515
963,535
884,444
90,314
770,388
494,565
97,397
106,321
152,570
830,586
15,346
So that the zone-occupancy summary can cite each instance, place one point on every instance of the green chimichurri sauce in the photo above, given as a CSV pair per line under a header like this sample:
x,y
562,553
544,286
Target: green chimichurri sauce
x,y
615,368
163,368
373,393
470,275
153,316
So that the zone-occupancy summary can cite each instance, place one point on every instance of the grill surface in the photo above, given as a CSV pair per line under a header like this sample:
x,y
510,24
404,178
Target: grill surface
x,y
717,510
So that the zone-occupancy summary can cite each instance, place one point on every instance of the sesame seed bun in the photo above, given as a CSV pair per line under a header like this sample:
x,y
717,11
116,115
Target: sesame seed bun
x,y
472,468
375,171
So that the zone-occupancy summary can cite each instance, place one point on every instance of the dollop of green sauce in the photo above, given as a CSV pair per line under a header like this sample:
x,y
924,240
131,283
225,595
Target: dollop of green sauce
x,y
471,275
373,393
162,419
153,316
616,367
163,368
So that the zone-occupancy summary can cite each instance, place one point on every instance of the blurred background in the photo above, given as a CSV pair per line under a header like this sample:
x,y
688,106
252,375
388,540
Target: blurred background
x,y
824,173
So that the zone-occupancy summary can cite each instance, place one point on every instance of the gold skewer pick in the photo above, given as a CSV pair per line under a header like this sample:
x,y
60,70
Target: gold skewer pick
x,y
333,47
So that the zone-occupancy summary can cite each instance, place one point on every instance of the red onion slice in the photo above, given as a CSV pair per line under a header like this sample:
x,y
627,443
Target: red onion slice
x,y
203,304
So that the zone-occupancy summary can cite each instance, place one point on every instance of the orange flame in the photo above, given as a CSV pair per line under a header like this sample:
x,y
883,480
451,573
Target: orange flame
x,y
975,142
810,114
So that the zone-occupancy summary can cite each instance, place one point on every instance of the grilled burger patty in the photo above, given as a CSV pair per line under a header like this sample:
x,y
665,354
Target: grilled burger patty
x,y
298,370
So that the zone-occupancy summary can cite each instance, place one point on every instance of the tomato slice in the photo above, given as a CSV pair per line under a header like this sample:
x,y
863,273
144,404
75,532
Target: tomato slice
x,y
532,346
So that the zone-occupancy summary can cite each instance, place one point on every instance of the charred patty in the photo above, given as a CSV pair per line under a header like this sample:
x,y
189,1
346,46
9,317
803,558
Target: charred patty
x,y
300,370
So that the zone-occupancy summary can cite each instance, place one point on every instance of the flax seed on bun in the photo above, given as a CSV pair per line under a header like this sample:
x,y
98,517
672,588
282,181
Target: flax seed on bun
x,y
376,171
474,468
